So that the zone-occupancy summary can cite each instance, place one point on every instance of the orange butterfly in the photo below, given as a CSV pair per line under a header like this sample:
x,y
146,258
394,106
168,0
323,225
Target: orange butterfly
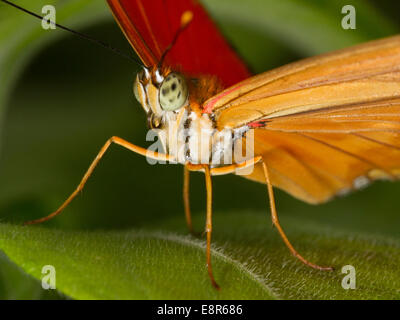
x,y
322,127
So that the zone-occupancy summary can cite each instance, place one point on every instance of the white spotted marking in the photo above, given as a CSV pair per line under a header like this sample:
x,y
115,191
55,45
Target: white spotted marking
x,y
146,73
159,77
193,116
361,182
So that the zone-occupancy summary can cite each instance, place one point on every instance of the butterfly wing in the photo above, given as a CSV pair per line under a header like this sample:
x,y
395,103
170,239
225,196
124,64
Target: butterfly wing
x,y
315,157
325,125
150,26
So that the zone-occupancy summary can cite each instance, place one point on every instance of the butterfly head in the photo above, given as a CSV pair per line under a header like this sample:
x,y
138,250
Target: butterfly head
x,y
162,94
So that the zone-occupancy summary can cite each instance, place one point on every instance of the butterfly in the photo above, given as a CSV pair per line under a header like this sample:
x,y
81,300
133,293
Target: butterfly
x,y
320,128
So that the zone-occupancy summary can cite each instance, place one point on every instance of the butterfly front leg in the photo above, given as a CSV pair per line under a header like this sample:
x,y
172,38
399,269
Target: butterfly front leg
x,y
186,200
208,172
112,140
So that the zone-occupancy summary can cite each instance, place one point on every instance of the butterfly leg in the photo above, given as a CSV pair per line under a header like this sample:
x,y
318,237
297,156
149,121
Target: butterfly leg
x,y
209,225
219,171
186,201
275,221
207,173
113,140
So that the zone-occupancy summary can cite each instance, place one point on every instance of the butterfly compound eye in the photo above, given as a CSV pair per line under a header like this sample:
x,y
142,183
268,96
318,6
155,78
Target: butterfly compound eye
x,y
173,92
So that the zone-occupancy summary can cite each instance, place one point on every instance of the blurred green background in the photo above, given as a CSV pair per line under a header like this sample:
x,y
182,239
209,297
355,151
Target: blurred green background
x,y
62,98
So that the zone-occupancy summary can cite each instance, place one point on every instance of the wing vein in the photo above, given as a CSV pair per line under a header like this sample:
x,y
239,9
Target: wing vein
x,y
362,159
376,141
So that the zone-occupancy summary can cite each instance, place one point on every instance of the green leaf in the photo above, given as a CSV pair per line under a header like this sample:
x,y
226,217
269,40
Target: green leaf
x,y
128,265
15,284
250,262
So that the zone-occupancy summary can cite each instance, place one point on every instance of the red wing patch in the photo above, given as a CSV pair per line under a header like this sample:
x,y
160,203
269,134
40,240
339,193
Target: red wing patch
x,y
150,26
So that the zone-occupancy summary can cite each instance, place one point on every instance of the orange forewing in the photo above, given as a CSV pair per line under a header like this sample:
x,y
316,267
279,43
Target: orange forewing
x,y
325,125
362,73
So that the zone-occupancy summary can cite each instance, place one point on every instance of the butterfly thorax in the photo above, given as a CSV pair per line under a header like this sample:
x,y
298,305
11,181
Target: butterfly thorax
x,y
173,105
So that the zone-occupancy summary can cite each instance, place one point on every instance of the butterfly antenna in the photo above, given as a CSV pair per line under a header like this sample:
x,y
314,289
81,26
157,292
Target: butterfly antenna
x,y
186,18
79,34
